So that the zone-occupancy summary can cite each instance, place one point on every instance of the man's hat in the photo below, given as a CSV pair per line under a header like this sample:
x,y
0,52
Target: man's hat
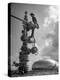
x,y
26,12
31,13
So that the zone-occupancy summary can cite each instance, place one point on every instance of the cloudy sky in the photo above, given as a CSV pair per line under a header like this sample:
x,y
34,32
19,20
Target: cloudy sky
x,y
47,17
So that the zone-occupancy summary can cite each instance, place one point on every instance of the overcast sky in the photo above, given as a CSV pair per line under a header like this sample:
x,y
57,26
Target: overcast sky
x,y
46,16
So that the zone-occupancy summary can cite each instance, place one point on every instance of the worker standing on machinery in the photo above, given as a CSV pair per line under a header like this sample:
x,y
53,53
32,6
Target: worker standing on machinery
x,y
35,24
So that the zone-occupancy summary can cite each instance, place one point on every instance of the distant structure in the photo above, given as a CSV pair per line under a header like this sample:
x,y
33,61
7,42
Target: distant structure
x,y
25,51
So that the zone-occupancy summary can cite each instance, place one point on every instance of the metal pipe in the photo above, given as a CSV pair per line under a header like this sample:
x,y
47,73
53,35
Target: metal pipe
x,y
18,18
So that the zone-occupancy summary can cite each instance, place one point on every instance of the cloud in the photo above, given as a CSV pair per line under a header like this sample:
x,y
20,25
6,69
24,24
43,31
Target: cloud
x,y
52,16
53,13
49,21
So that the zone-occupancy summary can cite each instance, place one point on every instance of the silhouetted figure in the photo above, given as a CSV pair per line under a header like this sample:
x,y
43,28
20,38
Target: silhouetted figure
x,y
33,18
25,24
35,24
25,16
